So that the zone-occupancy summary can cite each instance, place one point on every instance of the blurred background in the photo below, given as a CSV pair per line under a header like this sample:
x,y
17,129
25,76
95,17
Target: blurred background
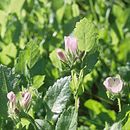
x,y
48,21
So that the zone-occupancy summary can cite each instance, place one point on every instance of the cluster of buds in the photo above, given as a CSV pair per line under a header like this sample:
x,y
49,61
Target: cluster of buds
x,y
71,47
24,102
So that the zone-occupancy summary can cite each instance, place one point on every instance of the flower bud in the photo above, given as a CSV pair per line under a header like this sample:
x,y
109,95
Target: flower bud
x,y
113,84
26,99
61,55
11,96
12,102
71,44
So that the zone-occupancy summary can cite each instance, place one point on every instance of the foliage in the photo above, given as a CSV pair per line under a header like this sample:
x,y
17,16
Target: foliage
x,y
65,95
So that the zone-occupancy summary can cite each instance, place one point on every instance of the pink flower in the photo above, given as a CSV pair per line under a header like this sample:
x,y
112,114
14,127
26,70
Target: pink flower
x,y
11,96
71,44
61,55
113,84
26,99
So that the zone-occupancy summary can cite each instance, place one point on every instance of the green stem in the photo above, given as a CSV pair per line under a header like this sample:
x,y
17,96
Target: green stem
x,y
119,104
76,102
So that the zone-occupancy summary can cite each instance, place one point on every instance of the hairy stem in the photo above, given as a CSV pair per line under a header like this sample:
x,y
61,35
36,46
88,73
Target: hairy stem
x,y
119,104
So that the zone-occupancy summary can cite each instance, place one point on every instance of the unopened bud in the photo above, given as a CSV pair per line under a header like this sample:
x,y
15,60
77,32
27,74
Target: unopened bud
x,y
26,99
12,102
11,96
61,55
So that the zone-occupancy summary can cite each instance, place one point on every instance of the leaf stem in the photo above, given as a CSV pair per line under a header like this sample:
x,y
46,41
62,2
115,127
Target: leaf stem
x,y
119,104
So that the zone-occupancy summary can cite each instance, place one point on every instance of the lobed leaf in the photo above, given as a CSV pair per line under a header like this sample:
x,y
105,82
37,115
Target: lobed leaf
x,y
86,34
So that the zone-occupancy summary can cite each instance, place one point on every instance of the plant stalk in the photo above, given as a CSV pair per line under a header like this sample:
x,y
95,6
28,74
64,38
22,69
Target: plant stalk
x,y
119,104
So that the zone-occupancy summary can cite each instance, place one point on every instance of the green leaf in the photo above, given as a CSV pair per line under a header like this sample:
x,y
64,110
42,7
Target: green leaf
x,y
124,116
56,4
15,7
4,4
43,124
124,50
8,82
86,34
34,53
22,62
3,21
67,120
8,52
26,116
75,10
3,17
38,81
116,126
60,14
54,59
27,58
127,124
98,108
58,95
24,122
39,123
83,128
89,61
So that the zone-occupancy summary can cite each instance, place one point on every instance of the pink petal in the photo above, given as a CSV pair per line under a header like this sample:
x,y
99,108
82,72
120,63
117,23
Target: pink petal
x,y
113,84
11,96
26,99
70,44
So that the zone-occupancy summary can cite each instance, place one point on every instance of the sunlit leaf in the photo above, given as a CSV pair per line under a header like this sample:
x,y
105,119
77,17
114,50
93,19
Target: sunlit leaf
x,y
86,34
38,81
98,108
28,58
15,6
58,95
